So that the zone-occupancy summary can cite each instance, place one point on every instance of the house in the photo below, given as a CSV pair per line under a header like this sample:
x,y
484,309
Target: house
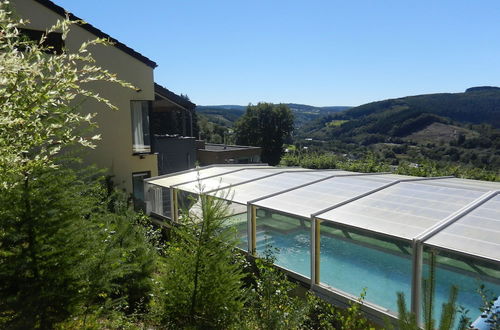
x,y
125,148
153,133
172,114
173,125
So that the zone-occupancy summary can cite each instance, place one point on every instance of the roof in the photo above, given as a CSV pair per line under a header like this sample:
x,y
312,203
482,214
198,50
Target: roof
x,y
92,29
227,147
319,196
453,214
170,180
477,231
171,96
403,210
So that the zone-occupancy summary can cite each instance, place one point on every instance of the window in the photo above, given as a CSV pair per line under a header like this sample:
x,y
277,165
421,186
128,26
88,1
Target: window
x,y
53,40
141,140
138,189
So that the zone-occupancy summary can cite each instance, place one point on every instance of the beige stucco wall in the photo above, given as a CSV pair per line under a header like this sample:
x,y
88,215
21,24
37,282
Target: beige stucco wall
x,y
114,151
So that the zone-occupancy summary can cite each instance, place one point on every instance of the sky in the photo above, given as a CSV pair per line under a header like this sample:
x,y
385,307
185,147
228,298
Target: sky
x,y
316,52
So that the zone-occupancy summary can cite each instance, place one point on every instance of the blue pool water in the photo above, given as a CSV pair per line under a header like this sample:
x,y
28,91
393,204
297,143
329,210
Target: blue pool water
x,y
351,267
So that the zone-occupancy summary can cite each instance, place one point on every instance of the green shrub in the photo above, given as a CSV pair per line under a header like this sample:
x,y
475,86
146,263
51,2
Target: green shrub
x,y
202,276
322,315
273,304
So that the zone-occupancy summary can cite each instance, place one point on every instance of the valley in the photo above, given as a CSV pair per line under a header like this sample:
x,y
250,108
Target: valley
x,y
446,128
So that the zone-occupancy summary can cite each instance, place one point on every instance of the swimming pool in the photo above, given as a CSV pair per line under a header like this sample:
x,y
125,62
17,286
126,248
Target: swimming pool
x,y
351,267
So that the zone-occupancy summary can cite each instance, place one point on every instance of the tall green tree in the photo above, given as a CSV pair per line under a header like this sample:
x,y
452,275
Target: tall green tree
x,y
268,126
41,246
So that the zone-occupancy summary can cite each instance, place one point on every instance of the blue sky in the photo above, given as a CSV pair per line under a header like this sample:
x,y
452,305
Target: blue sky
x,y
321,53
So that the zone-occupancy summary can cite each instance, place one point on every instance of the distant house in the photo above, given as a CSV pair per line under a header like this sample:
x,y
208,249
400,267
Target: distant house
x,y
212,153
126,148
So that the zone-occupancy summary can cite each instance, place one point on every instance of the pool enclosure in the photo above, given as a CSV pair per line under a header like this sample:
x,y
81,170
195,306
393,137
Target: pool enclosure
x,y
343,231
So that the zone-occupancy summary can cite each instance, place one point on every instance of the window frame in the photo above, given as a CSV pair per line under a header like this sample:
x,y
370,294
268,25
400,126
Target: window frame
x,y
149,127
53,40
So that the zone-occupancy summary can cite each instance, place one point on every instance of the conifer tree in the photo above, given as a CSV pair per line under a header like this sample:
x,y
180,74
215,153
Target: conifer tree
x,y
202,281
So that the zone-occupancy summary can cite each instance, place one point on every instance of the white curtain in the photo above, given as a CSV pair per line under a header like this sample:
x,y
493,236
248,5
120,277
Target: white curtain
x,y
137,126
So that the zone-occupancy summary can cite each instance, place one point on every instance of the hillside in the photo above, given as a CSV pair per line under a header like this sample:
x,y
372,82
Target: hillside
x,y
403,116
475,105
439,132
457,127
226,115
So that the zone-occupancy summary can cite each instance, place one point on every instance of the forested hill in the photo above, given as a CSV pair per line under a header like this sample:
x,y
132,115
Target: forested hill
x,y
226,115
404,116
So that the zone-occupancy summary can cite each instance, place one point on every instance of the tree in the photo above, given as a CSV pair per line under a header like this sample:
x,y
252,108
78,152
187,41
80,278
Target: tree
x,y
202,281
268,126
39,249
56,232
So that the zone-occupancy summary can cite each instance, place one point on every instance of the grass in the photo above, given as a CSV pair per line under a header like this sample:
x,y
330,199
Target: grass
x,y
336,123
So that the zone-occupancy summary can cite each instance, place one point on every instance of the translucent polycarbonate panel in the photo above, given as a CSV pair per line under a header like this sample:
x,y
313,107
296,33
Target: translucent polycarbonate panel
x,y
157,200
226,180
286,238
466,184
351,262
274,184
467,274
191,203
239,224
194,175
166,202
477,233
236,208
234,213
318,196
403,210
188,202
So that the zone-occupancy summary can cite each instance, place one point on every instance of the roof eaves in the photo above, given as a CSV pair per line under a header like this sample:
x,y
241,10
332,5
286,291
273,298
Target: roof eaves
x,y
162,91
92,29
